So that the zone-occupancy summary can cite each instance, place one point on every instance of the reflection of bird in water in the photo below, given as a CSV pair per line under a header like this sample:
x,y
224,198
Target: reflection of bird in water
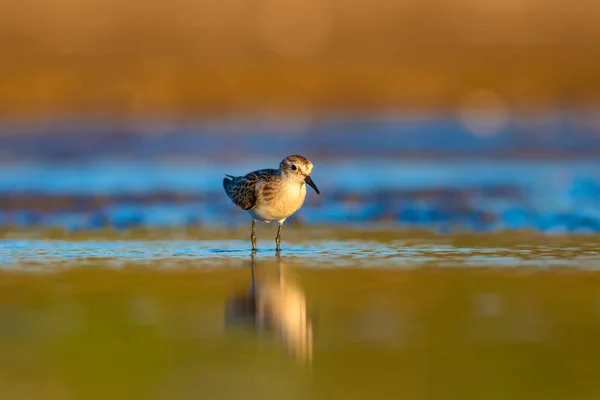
x,y
275,305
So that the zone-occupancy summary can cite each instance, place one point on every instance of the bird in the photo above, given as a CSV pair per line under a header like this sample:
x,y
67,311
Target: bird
x,y
272,194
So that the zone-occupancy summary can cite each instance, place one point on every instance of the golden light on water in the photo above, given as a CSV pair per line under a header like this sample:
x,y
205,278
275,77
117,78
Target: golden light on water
x,y
133,333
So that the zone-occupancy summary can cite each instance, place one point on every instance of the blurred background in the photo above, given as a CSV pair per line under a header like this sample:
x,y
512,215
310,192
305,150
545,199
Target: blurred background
x,y
420,109
477,113
456,142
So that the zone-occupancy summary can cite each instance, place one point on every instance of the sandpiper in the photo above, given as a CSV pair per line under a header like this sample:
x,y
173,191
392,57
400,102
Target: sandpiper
x,y
272,194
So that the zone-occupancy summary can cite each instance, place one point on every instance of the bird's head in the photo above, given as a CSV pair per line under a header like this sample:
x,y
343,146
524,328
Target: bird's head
x,y
298,168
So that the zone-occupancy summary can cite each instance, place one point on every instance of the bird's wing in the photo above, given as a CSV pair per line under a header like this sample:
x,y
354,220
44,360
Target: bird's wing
x,y
242,189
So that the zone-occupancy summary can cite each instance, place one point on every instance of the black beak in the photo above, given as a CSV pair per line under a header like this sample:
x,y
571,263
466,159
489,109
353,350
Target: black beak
x,y
311,184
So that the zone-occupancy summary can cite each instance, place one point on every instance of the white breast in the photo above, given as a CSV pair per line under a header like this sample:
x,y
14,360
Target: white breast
x,y
288,200
294,194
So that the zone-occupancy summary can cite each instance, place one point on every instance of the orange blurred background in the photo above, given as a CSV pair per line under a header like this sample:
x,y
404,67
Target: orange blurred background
x,y
187,57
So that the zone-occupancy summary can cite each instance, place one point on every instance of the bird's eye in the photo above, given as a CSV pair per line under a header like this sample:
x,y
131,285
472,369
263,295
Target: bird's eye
x,y
294,167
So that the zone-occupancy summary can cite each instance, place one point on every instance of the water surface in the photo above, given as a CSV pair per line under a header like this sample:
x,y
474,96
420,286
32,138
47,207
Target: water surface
x,y
439,251
95,328
480,196
125,272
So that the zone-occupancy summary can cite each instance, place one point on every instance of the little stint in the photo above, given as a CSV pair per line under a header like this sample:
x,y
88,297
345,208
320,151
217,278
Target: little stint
x,y
272,194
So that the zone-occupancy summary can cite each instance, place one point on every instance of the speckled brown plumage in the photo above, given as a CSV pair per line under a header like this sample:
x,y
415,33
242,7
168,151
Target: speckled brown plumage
x,y
295,158
242,189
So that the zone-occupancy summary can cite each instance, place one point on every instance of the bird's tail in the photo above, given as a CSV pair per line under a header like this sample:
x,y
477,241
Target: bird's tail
x,y
227,183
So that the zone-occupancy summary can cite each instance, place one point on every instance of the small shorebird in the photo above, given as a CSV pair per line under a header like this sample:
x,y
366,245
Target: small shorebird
x,y
272,194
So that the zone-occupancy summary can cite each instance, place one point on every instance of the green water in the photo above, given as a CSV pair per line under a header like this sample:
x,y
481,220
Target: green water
x,y
411,316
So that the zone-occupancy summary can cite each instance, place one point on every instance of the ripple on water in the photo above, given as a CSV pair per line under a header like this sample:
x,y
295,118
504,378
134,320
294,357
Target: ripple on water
x,y
395,254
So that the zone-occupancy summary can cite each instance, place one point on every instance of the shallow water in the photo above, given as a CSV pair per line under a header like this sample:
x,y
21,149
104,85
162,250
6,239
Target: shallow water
x,y
132,279
130,316
448,317
29,253
115,176
481,196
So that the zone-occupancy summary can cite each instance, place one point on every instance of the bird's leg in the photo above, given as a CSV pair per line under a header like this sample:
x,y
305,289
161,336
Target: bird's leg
x,y
253,236
278,238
